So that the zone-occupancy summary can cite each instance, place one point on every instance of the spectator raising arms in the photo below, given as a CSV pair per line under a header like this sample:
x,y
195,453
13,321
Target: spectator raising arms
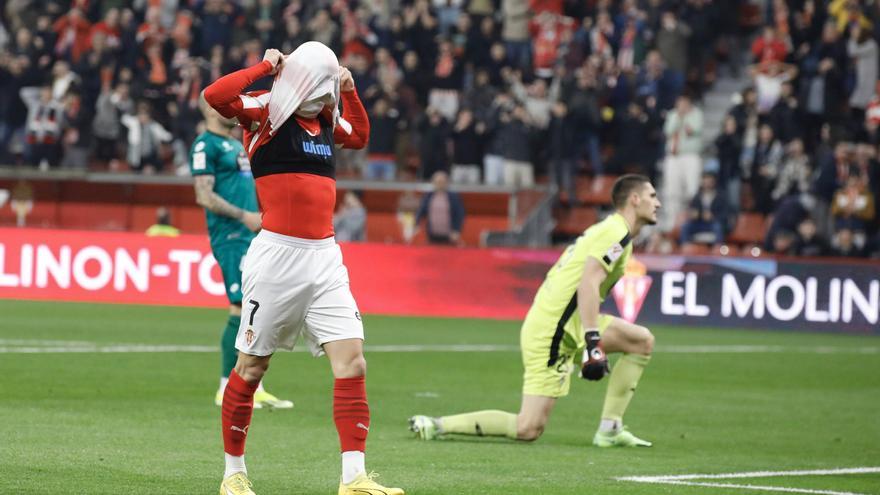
x,y
145,136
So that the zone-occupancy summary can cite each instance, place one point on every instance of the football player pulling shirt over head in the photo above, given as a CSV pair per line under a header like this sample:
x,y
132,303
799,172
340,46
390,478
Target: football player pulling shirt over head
x,y
294,281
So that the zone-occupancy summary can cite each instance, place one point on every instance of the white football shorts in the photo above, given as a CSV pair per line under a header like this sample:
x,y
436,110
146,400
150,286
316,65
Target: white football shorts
x,y
293,287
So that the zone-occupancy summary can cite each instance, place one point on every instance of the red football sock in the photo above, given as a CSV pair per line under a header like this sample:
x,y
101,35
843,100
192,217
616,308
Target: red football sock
x,y
351,413
238,406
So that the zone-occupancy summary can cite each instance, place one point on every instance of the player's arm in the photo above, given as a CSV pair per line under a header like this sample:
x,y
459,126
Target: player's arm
x,y
595,364
213,202
353,129
225,94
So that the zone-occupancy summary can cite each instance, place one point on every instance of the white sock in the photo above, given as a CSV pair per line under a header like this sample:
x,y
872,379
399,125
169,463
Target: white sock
x,y
234,464
609,425
223,381
352,465
260,387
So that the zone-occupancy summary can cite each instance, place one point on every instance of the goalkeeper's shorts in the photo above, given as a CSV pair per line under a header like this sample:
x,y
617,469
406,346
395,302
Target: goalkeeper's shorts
x,y
549,359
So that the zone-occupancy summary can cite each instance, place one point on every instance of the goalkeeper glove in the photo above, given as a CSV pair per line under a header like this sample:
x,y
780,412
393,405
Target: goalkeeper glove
x,y
595,363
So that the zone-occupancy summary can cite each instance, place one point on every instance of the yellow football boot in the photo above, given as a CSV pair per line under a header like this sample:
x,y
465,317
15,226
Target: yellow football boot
x,y
364,485
237,484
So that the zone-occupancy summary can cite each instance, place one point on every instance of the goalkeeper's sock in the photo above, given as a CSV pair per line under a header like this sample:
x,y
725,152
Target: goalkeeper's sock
x,y
622,384
609,425
351,413
228,352
481,423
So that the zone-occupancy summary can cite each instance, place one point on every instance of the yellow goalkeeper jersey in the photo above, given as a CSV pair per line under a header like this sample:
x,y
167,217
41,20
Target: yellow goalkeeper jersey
x,y
554,310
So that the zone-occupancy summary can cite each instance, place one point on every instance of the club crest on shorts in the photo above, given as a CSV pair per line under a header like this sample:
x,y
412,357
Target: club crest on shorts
x,y
249,336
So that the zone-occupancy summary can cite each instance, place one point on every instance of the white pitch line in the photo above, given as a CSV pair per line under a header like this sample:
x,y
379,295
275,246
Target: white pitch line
x,y
681,479
442,348
753,474
24,346
759,487
110,349
47,342
763,349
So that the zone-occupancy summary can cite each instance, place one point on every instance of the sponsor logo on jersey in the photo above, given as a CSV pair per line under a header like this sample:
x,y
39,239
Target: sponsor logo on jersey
x,y
614,252
631,290
244,165
249,336
317,149
199,160
226,146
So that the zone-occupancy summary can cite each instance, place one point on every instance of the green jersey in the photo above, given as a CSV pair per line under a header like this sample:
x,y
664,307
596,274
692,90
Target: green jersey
x,y
225,159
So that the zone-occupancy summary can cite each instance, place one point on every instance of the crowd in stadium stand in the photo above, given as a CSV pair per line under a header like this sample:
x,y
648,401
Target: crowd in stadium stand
x,y
492,91
803,138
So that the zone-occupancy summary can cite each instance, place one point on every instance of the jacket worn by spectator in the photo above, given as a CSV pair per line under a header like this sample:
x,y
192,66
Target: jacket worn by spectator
x,y
44,118
435,133
672,43
537,106
708,211
15,77
143,139
108,114
865,54
795,177
728,145
791,212
444,212
467,144
715,203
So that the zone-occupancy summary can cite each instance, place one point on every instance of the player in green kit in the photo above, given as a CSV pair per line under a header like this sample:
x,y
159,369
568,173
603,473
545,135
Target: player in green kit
x,y
225,188
564,330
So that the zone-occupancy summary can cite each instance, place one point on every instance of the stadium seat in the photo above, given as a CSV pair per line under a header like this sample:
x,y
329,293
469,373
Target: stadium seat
x,y
574,221
749,229
93,216
695,249
384,227
189,219
44,214
598,192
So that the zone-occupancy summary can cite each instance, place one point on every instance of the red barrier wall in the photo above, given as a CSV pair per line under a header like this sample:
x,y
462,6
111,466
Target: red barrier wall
x,y
785,294
119,267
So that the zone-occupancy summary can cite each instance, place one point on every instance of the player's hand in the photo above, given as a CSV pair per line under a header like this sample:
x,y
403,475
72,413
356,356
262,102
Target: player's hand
x,y
252,220
595,363
346,81
275,57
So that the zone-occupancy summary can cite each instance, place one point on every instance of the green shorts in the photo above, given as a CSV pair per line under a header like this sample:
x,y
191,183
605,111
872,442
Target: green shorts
x,y
548,372
230,257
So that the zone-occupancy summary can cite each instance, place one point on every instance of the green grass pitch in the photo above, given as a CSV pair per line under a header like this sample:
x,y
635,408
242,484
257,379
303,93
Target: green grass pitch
x,y
144,422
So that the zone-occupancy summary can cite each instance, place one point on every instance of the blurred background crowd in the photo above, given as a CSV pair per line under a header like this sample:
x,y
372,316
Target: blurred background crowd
x,y
496,92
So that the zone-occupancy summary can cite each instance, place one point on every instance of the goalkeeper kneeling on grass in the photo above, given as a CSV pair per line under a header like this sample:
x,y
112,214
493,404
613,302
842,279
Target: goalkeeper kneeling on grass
x,y
564,330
